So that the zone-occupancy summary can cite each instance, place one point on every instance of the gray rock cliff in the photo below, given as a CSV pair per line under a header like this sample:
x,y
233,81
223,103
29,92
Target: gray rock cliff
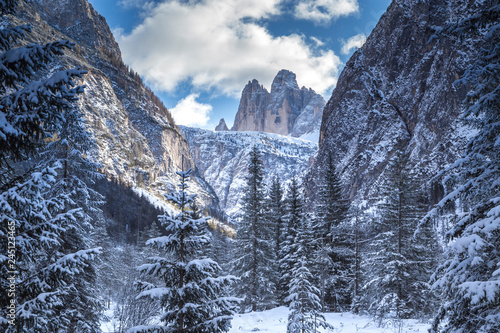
x,y
398,88
287,109
138,142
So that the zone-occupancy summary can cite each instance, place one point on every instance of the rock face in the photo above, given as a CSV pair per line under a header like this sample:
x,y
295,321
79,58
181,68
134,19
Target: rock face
x,y
287,109
222,126
398,89
222,159
137,140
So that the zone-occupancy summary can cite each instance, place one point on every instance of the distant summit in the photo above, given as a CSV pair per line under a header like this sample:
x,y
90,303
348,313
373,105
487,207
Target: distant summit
x,y
287,109
222,126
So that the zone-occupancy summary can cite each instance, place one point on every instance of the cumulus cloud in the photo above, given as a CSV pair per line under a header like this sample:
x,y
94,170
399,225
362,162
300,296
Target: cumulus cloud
x,y
352,43
323,11
189,112
219,44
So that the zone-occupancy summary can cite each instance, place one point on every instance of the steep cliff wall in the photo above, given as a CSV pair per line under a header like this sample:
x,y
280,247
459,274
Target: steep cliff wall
x,y
137,140
398,89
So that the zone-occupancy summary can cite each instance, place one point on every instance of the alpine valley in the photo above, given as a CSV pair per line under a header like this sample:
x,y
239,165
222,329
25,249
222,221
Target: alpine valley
x,y
379,206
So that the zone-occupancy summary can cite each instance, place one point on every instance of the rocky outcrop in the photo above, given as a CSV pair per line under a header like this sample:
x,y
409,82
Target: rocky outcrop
x,y
252,109
137,141
222,126
287,109
78,19
398,89
222,159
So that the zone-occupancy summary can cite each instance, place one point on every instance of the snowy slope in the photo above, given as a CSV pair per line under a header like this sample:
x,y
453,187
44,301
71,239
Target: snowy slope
x,y
222,159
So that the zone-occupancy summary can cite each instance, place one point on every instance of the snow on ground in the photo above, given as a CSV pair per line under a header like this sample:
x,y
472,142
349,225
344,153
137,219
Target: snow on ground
x,y
275,321
110,325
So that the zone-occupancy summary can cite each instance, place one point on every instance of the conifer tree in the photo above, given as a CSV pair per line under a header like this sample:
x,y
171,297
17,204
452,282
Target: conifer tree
x,y
305,307
275,214
334,250
293,218
397,262
254,257
69,148
191,291
39,219
469,279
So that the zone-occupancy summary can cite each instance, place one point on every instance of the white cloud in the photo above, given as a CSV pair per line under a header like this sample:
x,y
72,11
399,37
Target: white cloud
x,y
353,42
317,41
189,112
322,11
218,44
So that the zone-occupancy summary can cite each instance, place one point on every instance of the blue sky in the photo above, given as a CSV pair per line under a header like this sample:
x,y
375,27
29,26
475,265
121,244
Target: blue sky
x,y
197,55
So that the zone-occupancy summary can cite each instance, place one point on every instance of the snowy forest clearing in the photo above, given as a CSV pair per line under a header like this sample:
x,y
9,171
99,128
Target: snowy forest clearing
x,y
275,321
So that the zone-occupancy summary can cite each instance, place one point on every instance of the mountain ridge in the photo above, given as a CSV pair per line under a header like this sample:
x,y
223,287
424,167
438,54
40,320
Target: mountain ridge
x,y
137,140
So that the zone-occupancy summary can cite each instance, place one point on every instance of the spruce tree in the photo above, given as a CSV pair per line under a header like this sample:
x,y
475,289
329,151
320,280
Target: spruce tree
x,y
69,147
334,250
293,218
275,214
305,307
191,291
254,247
397,262
469,279
40,223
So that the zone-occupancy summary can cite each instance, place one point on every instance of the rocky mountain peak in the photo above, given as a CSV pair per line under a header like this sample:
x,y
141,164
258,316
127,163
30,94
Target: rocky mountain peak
x,y
254,87
79,20
222,126
285,79
278,111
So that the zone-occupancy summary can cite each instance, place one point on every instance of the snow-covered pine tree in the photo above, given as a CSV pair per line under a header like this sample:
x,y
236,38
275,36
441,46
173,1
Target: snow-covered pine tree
x,y
254,258
29,110
334,250
358,221
70,147
305,308
397,263
191,291
469,280
34,216
275,213
293,218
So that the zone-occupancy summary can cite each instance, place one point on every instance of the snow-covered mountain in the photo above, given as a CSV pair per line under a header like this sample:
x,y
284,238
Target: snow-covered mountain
x,y
287,109
398,90
222,157
138,142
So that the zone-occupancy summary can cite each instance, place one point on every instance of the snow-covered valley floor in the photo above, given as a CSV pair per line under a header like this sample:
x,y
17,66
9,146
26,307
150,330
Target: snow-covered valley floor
x,y
275,321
